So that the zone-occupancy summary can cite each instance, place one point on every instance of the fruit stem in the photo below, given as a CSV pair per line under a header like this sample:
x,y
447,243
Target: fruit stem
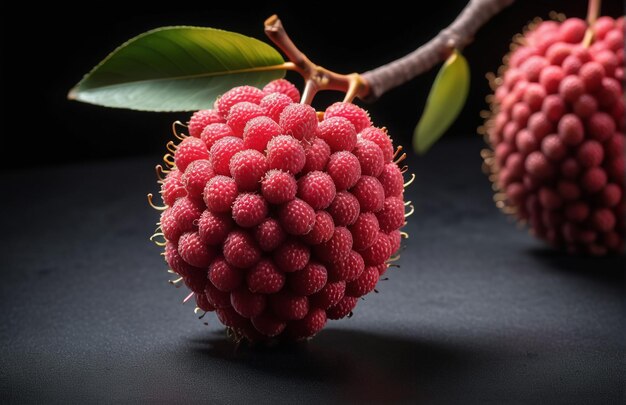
x,y
276,32
317,78
593,11
456,36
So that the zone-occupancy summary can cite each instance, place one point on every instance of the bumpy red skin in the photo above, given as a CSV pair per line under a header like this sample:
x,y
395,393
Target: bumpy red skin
x,y
278,221
200,119
558,135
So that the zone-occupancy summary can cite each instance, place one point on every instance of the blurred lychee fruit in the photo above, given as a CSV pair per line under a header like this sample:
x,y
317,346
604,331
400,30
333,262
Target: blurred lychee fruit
x,y
278,221
556,132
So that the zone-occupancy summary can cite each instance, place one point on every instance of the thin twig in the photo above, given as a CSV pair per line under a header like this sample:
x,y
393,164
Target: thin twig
x,y
276,32
316,77
593,11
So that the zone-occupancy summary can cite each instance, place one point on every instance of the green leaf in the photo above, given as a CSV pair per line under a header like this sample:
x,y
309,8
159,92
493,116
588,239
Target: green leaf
x,y
444,103
178,69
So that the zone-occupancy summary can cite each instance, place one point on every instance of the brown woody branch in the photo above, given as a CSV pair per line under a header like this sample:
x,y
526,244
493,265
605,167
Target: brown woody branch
x,y
456,36
374,83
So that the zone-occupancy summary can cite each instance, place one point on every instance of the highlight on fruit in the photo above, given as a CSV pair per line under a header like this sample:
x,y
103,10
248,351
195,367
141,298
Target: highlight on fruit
x,y
556,132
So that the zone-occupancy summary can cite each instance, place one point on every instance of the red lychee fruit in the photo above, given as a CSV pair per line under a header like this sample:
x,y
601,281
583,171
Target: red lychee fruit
x,y
561,168
277,221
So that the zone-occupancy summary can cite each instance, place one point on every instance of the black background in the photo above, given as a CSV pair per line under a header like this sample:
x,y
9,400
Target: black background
x,y
44,56
478,312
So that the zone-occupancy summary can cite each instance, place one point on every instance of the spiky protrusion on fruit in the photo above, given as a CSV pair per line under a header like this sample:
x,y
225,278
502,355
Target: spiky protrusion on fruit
x,y
279,222
556,130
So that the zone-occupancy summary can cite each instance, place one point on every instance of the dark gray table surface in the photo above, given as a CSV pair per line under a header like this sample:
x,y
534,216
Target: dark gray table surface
x,y
479,311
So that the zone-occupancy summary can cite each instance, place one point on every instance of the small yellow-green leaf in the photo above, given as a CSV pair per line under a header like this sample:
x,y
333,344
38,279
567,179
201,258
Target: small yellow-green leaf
x,y
444,103
178,69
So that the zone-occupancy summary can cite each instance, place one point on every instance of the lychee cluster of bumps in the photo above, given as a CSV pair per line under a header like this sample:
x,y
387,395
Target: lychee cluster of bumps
x,y
278,219
557,133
